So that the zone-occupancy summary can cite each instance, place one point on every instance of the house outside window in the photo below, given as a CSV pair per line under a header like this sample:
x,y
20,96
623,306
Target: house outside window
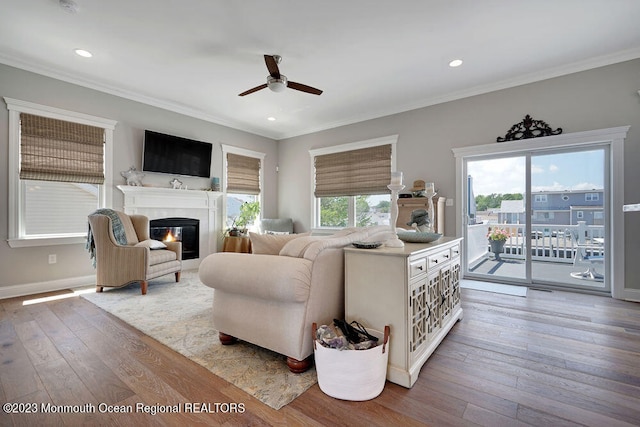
x,y
350,183
59,172
243,172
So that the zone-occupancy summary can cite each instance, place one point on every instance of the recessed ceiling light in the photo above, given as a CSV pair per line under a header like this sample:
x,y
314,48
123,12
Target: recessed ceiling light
x,y
271,119
69,6
83,53
455,63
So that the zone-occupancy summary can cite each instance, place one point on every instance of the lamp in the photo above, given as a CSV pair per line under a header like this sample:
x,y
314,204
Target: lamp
x,y
277,85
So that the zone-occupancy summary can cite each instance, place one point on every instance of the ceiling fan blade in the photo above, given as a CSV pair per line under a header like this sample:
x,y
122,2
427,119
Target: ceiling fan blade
x,y
272,66
303,88
255,89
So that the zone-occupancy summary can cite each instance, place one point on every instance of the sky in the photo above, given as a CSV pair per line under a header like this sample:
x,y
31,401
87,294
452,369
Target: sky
x,y
582,170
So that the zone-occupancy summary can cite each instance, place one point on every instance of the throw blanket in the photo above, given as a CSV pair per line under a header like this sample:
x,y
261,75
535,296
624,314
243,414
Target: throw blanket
x,y
118,232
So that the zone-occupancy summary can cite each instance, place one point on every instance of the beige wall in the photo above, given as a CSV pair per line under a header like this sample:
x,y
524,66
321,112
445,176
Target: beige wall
x,y
600,98
30,265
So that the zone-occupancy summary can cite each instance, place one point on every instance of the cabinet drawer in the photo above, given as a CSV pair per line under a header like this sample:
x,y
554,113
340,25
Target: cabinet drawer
x,y
455,251
417,267
438,258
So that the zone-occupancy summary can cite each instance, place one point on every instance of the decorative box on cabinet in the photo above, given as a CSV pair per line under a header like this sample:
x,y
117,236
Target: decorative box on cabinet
x,y
415,290
408,205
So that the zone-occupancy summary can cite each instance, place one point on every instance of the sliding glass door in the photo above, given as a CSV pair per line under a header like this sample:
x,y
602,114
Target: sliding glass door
x,y
568,218
538,218
496,224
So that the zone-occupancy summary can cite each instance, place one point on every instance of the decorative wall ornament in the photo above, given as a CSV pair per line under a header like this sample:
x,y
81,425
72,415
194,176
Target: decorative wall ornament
x,y
133,177
176,184
529,128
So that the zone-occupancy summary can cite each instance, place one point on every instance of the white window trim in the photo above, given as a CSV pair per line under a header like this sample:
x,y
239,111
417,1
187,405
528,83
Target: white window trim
x,y
16,237
223,185
315,213
540,198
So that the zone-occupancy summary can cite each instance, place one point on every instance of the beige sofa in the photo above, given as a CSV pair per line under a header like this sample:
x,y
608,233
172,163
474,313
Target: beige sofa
x,y
272,300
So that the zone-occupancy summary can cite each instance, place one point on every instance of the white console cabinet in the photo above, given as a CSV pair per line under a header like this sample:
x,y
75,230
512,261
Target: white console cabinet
x,y
415,290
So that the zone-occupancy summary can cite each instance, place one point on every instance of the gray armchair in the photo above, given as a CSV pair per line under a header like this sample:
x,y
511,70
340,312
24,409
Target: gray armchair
x,y
284,225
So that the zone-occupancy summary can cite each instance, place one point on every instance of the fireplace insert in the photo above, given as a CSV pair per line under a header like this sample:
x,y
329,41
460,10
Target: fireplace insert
x,y
185,230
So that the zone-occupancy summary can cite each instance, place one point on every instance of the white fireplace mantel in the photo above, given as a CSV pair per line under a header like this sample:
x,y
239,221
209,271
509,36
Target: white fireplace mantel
x,y
155,203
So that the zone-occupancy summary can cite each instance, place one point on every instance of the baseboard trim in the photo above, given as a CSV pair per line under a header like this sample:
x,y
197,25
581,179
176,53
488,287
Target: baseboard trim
x,y
49,286
631,294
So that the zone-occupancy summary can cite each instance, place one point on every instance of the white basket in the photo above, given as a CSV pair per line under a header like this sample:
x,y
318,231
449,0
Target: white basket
x,y
353,374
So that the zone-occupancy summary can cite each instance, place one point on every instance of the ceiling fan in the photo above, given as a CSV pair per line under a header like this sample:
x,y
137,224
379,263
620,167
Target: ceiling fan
x,y
278,82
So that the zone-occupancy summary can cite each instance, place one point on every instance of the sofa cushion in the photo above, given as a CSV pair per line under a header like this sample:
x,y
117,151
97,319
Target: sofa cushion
x,y
271,244
295,248
309,247
161,255
314,249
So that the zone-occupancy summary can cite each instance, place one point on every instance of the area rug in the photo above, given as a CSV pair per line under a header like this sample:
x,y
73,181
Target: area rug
x,y
179,316
519,291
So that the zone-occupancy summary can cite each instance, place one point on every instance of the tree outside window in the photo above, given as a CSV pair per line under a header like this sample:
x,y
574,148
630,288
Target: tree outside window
x,y
369,210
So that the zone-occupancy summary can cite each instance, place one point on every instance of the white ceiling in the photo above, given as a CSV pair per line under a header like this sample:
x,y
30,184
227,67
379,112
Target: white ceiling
x,y
370,57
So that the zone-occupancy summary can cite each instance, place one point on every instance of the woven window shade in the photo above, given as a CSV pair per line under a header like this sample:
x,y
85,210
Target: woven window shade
x,y
57,150
243,174
353,173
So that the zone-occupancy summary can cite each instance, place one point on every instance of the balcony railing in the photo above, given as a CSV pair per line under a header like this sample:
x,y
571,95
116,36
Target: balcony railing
x,y
549,242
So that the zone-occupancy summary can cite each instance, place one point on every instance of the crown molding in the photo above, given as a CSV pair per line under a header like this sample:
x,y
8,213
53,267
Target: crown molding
x,y
549,73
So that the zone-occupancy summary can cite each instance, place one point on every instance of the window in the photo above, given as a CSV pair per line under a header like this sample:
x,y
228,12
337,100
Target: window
x,y
591,197
59,172
544,215
244,176
540,198
350,183
580,214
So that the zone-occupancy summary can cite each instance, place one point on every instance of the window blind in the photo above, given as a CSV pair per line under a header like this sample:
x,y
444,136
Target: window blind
x,y
243,174
352,173
57,150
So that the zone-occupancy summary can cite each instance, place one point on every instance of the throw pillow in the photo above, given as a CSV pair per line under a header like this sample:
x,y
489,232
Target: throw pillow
x,y
271,244
297,247
129,230
152,244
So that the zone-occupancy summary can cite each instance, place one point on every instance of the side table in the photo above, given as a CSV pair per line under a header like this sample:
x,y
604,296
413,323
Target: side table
x,y
240,244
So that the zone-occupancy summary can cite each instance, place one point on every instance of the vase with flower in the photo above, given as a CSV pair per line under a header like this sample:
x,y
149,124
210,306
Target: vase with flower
x,y
497,237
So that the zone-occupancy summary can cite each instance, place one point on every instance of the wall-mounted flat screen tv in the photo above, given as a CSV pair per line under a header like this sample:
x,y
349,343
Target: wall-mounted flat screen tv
x,y
175,155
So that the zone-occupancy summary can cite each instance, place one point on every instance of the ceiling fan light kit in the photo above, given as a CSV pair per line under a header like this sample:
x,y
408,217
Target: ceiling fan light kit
x,y
277,85
278,82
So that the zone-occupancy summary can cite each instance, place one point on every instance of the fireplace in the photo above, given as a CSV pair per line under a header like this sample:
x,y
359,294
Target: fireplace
x,y
185,230
158,203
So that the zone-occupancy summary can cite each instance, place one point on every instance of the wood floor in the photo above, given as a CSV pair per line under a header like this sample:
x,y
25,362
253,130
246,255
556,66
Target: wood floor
x,y
551,359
